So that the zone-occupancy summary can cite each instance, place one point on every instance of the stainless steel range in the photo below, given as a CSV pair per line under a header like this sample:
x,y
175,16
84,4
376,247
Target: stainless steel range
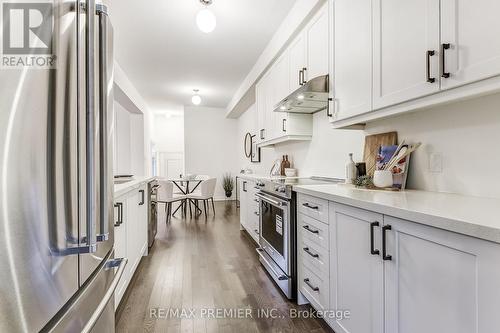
x,y
278,229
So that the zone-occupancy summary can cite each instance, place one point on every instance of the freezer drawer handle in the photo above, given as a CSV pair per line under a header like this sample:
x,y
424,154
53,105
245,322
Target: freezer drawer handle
x,y
306,281
121,263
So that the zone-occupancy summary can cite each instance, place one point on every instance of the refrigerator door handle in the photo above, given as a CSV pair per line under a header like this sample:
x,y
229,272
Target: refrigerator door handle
x,y
120,263
106,198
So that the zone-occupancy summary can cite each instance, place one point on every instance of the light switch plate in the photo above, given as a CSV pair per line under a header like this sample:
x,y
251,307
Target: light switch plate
x,y
436,162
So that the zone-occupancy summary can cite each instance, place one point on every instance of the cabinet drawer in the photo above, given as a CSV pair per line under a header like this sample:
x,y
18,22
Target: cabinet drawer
x,y
314,288
315,258
314,207
313,231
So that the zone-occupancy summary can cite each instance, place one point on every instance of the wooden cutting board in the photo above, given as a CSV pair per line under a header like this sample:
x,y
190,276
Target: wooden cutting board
x,y
372,145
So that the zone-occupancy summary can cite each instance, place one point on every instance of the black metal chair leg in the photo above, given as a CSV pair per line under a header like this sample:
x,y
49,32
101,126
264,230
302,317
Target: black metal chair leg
x,y
190,211
205,208
169,212
213,205
177,209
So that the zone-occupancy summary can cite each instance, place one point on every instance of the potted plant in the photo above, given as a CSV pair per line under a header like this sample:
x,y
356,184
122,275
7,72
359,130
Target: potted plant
x,y
228,184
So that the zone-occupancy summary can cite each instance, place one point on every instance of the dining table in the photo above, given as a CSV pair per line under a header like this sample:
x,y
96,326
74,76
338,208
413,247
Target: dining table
x,y
187,185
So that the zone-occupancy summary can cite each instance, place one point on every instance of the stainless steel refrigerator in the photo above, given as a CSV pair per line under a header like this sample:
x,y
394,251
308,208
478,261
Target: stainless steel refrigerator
x,y
57,266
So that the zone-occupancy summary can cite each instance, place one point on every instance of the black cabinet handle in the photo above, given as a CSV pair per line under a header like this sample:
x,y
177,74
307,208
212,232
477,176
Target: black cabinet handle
x,y
429,78
328,113
306,227
284,125
385,256
119,205
300,77
372,241
444,47
314,255
142,197
262,137
306,281
309,206
304,81
244,186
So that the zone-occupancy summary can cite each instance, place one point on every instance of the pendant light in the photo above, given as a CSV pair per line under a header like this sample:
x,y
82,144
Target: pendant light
x,y
196,99
205,19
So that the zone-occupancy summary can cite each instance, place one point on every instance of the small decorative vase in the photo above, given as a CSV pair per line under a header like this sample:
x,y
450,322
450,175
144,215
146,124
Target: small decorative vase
x,y
382,178
229,194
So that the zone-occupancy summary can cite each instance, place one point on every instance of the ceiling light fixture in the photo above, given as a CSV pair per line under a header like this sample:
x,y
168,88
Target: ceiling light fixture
x,y
205,19
196,99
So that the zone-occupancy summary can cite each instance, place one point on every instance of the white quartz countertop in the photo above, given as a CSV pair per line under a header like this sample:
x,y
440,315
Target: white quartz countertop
x,y
121,189
473,216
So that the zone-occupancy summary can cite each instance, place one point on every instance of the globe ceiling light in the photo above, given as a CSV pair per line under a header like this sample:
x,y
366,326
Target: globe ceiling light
x,y
205,19
196,99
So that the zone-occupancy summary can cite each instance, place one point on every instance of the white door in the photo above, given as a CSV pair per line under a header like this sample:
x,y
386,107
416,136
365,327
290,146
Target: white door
x,y
317,50
352,67
405,50
297,52
438,281
356,276
472,30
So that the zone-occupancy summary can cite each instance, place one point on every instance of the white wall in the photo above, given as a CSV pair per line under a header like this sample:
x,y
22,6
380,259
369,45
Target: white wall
x,y
466,134
129,142
326,155
122,165
169,133
210,144
168,140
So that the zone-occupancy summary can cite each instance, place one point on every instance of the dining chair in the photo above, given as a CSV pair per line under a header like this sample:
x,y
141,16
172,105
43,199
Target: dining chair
x,y
207,191
166,195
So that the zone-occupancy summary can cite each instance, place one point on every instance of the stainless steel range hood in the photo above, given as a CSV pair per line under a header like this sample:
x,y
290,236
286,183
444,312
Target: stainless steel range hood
x,y
310,98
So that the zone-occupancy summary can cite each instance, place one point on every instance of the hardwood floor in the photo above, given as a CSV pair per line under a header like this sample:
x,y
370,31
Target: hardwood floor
x,y
205,264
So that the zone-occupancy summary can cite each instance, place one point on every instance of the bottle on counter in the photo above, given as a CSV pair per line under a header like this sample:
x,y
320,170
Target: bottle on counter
x,y
350,170
282,166
287,164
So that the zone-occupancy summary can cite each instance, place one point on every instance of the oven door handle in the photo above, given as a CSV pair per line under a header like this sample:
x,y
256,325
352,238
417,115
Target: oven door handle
x,y
271,201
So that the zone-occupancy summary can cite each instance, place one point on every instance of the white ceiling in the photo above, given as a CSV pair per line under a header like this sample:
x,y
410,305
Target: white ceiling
x,y
160,48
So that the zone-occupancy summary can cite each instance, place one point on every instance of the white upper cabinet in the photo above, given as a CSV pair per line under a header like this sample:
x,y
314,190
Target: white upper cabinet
x,y
472,30
352,66
317,47
297,53
405,50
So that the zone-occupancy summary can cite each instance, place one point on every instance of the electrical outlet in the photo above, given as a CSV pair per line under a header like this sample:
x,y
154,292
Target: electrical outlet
x,y
436,162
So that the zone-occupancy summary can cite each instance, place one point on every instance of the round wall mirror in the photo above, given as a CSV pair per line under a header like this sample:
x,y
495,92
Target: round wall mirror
x,y
248,145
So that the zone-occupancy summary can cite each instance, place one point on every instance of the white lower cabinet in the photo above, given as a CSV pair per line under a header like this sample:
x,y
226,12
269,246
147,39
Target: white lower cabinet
x,y
131,233
357,275
249,208
396,276
439,281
